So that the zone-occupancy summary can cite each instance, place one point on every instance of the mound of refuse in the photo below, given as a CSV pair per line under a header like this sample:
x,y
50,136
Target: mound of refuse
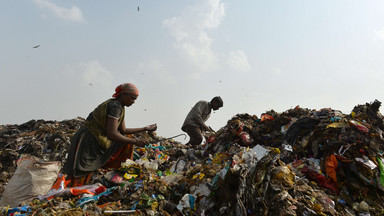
x,y
298,162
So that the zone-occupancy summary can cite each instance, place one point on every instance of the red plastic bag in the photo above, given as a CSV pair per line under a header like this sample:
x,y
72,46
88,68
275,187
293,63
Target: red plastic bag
x,y
359,126
245,138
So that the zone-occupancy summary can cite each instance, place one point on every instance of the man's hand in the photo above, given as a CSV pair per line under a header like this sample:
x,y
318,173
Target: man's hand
x,y
151,127
207,128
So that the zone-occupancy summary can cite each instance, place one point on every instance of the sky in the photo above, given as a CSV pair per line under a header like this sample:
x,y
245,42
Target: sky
x,y
257,55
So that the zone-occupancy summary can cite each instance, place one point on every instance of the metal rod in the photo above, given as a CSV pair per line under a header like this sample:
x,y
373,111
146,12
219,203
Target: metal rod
x,y
185,136
120,211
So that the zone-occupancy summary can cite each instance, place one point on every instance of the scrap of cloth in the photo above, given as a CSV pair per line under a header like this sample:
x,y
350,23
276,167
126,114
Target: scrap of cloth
x,y
295,129
126,88
330,167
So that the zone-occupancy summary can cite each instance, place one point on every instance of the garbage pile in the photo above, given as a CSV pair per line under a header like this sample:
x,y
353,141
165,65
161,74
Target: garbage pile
x,y
298,162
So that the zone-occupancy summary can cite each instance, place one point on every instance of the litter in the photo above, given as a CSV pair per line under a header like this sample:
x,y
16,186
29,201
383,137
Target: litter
x,y
298,162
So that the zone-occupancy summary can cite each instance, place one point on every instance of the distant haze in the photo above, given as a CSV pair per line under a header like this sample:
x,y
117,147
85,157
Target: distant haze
x,y
60,59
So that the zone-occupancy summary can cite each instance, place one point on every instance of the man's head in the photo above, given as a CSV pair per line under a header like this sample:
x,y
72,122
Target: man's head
x,y
216,103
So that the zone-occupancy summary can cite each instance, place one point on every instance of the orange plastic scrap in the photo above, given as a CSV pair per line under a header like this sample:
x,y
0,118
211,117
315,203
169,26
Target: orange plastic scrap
x,y
109,204
266,117
76,192
104,205
79,181
330,167
59,185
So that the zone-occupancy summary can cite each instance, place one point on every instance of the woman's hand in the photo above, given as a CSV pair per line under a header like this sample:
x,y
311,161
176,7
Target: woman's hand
x,y
151,127
140,142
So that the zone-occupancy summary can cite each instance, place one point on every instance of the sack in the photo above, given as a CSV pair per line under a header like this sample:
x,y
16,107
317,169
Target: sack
x,y
32,178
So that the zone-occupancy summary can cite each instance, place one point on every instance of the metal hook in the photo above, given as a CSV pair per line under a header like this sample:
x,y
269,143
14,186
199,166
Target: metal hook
x,y
185,136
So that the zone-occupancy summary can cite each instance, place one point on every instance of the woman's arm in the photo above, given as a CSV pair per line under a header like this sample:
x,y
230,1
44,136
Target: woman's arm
x,y
125,130
114,135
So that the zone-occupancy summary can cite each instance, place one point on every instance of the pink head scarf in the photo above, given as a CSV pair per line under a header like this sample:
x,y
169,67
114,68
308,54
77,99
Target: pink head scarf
x,y
126,88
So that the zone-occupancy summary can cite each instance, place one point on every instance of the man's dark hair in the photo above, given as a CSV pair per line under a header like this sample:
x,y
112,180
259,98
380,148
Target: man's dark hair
x,y
217,100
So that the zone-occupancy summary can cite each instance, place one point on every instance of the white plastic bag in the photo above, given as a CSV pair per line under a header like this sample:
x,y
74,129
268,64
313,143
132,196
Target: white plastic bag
x,y
32,178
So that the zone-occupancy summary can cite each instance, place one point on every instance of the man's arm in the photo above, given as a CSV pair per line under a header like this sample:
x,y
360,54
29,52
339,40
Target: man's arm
x,y
199,110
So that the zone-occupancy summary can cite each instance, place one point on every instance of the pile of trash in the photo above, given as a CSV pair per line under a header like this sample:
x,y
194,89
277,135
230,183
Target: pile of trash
x,y
298,162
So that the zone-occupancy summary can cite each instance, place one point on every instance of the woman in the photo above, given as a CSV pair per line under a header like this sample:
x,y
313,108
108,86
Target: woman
x,y
101,141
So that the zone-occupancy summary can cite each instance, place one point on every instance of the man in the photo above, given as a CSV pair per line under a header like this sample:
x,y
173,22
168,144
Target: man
x,y
194,124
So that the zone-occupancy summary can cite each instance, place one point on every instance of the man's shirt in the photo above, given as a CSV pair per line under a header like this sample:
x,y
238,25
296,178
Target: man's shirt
x,y
198,115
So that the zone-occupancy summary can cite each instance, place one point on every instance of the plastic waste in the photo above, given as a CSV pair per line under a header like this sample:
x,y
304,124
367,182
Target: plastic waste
x,y
187,202
245,138
114,177
381,167
86,199
148,165
367,162
359,126
266,117
178,167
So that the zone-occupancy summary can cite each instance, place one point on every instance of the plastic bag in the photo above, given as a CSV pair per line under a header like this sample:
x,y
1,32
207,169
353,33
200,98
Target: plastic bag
x,y
187,202
178,167
31,179
57,188
359,126
245,138
381,177
114,177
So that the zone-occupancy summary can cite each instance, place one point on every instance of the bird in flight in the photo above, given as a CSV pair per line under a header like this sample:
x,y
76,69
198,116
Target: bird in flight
x,y
138,8
37,46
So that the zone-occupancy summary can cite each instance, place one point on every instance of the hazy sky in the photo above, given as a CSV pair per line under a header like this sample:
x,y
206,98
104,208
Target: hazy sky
x,y
256,55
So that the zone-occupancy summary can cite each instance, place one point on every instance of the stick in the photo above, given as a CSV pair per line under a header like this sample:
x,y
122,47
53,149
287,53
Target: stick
x,y
185,136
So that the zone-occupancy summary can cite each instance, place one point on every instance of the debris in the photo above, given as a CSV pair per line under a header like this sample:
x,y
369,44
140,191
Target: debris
x,y
298,162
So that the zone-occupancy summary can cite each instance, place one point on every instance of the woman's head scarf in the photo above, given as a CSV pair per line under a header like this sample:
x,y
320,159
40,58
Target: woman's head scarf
x,y
126,88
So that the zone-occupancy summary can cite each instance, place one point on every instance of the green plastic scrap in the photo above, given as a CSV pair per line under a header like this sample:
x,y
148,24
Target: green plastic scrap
x,y
381,171
144,196
136,156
